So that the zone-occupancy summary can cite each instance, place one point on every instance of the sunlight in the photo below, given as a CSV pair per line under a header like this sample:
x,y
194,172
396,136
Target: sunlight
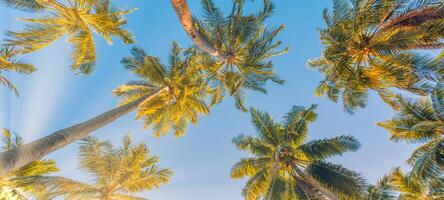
x,y
44,89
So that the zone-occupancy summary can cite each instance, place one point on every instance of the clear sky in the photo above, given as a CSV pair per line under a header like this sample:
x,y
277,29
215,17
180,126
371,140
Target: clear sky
x,y
53,98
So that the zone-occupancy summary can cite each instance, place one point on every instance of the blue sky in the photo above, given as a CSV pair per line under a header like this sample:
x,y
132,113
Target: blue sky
x,y
53,98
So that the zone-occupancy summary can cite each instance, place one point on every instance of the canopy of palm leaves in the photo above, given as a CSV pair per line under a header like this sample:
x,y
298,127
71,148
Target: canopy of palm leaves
x,y
365,43
422,120
280,152
8,62
25,180
77,19
412,188
405,186
182,95
116,172
245,45
383,190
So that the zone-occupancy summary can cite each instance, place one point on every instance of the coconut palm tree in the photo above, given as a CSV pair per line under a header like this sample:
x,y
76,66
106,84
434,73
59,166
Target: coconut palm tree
x,y
166,97
366,45
236,48
115,172
412,188
285,166
383,190
8,62
26,180
405,186
421,120
78,19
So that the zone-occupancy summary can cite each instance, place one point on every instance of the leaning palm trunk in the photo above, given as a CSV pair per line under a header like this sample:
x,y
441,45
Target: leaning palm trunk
x,y
37,149
307,189
428,46
415,17
314,183
184,15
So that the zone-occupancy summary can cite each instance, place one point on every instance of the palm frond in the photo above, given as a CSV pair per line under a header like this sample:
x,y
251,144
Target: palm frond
x,y
325,148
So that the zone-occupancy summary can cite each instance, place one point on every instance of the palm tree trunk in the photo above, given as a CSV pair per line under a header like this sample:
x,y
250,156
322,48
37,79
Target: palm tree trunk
x,y
415,17
314,183
304,186
16,158
428,46
184,15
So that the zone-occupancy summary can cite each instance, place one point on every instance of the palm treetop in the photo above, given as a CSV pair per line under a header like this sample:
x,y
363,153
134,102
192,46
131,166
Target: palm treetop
x,y
398,185
78,19
411,187
182,90
115,172
23,181
244,46
366,45
284,165
9,62
421,120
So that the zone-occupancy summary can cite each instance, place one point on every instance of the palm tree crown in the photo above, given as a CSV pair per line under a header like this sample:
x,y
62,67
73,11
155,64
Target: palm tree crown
x,y
411,187
117,172
8,62
182,90
365,49
244,43
422,120
285,166
78,19
406,186
24,181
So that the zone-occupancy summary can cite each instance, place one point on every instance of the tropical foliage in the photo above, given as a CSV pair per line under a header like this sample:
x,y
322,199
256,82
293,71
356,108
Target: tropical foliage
x,y
115,172
284,165
383,190
26,180
181,90
422,120
245,45
406,186
8,62
365,49
78,19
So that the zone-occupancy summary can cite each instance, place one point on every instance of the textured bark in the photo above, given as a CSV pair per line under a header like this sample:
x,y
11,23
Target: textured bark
x,y
184,15
37,149
429,46
314,183
415,17
304,186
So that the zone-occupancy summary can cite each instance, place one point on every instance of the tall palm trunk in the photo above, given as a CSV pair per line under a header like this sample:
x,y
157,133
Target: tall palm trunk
x,y
37,149
304,186
184,15
428,46
415,17
314,183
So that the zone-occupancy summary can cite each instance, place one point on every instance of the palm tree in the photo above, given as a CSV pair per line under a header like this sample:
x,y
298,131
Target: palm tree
x,y
25,180
166,97
77,19
116,172
405,186
383,190
8,62
235,49
285,166
412,188
366,45
421,120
